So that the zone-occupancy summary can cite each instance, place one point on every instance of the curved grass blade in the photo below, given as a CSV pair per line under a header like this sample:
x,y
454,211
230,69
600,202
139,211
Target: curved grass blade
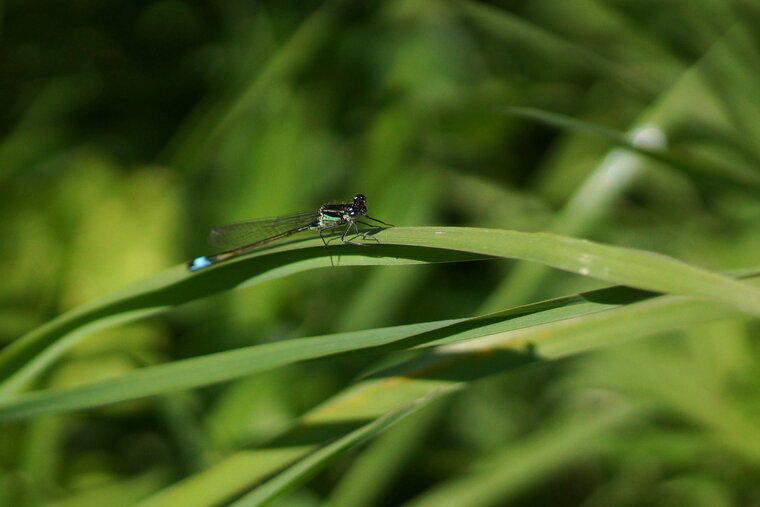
x,y
228,365
554,328
26,357
625,266
445,367
645,270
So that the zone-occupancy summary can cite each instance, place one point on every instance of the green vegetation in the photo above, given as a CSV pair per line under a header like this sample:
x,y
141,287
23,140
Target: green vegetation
x,y
564,314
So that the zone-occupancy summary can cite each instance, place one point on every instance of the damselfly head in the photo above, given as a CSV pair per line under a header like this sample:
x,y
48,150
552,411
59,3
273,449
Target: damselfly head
x,y
359,207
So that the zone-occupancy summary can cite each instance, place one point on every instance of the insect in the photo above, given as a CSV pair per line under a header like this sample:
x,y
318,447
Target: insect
x,y
243,237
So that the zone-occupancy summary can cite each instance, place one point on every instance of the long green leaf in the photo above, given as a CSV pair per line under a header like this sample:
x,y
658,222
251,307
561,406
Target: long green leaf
x,y
29,355
445,367
236,363
635,268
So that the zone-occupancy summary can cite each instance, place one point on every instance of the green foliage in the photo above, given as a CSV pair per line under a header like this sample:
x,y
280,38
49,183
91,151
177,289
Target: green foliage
x,y
565,313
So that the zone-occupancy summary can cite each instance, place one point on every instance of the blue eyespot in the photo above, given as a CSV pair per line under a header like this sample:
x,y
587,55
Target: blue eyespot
x,y
199,263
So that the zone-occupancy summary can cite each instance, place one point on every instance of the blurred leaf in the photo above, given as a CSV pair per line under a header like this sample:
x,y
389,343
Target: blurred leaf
x,y
650,143
126,492
199,138
385,459
540,44
296,474
505,473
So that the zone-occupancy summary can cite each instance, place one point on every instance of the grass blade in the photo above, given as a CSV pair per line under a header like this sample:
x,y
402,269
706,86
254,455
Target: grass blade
x,y
400,245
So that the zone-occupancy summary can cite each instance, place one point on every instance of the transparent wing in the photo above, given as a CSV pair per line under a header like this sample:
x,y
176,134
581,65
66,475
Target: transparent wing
x,y
228,237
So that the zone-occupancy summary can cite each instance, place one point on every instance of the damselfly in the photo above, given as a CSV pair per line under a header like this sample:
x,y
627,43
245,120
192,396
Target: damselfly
x,y
256,233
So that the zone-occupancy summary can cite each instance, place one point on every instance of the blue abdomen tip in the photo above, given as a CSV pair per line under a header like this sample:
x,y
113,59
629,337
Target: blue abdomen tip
x,y
199,263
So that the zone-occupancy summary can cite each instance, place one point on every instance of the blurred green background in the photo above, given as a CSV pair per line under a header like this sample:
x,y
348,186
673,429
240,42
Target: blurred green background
x,y
129,129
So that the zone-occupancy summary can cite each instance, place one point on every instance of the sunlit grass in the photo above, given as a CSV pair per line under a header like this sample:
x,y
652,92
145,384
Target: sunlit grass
x,y
484,353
